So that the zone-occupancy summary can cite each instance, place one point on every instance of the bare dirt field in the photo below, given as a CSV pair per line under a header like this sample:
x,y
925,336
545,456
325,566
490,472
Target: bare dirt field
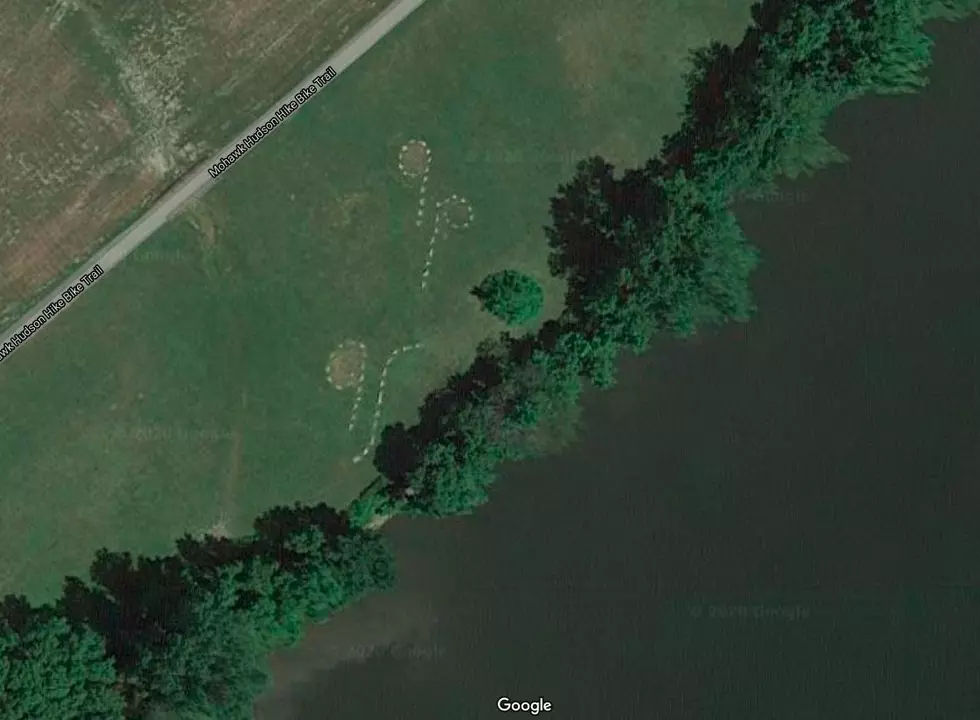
x,y
64,173
104,103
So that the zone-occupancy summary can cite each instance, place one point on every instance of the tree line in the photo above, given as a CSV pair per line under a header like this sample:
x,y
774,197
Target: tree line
x,y
657,250
653,250
186,634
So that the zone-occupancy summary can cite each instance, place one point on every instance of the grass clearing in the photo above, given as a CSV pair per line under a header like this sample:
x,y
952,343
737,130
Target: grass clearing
x,y
193,388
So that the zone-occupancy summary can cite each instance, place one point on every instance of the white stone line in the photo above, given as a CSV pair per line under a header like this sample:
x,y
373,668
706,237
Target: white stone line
x,y
420,211
432,245
359,393
469,213
376,420
442,214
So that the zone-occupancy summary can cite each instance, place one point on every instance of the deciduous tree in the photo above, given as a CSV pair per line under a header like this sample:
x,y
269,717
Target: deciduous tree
x,y
50,668
512,296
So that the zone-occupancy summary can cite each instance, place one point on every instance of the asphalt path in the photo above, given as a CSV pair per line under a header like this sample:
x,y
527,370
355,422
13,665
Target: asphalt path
x,y
197,182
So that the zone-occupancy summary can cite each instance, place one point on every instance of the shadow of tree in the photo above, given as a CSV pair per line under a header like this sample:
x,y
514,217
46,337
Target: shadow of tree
x,y
276,526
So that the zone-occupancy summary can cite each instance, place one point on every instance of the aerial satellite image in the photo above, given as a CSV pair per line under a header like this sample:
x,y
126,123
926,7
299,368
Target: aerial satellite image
x,y
464,359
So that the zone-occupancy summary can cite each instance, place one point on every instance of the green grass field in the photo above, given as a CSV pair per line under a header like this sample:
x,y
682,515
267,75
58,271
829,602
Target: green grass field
x,y
189,388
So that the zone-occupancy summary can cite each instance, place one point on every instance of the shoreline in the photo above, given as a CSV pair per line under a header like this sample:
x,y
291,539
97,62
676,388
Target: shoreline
x,y
377,522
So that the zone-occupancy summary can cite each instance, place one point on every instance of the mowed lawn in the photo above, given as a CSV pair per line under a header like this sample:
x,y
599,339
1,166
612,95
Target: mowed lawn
x,y
188,389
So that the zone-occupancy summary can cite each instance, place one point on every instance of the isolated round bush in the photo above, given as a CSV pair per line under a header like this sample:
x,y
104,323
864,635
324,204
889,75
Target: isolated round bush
x,y
512,296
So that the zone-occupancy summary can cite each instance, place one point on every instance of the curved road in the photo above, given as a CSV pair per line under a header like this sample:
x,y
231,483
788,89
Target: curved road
x,y
198,181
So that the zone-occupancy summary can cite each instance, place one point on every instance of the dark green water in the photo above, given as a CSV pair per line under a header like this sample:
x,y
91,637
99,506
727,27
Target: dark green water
x,y
777,520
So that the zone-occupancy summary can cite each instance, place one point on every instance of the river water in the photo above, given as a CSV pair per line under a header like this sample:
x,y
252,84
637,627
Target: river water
x,y
775,520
